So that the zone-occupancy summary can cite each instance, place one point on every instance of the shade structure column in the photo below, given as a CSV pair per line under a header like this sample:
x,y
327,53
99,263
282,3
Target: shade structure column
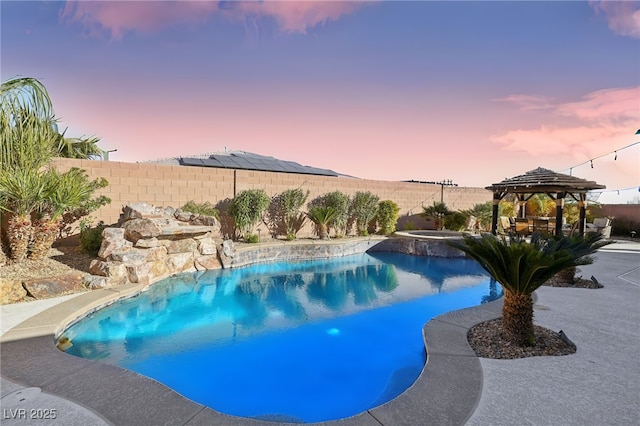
x,y
522,207
494,213
582,204
559,211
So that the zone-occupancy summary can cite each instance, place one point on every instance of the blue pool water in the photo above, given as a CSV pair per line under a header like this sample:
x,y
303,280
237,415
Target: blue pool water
x,y
300,341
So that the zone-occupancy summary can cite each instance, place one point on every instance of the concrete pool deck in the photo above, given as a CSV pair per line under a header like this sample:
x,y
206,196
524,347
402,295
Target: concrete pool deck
x,y
600,384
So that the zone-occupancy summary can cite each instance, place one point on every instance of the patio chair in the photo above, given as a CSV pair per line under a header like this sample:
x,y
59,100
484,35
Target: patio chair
x,y
541,225
601,225
505,225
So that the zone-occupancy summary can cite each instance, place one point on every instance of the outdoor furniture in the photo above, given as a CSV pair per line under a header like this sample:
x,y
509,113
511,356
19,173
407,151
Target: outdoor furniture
x,y
522,226
505,225
540,225
601,225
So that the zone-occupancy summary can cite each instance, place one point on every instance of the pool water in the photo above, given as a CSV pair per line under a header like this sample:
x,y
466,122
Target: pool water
x,y
297,341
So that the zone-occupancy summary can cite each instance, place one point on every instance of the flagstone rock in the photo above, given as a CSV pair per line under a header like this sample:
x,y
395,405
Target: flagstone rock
x,y
44,288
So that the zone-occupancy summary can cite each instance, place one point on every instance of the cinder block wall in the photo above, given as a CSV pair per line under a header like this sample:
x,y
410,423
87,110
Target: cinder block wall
x,y
164,185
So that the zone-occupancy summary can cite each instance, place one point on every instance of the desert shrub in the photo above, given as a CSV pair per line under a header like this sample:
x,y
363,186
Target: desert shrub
x,y
623,227
91,236
247,208
338,201
456,221
283,213
251,238
363,209
204,209
387,217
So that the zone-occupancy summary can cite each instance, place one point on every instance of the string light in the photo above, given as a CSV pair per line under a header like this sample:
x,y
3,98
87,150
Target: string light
x,y
590,161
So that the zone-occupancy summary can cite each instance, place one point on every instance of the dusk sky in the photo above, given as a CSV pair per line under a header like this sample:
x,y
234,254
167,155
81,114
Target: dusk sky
x,y
473,91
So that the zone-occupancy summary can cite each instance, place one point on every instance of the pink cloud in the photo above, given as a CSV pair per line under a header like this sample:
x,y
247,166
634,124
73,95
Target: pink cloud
x,y
298,16
527,102
602,121
116,18
623,16
609,105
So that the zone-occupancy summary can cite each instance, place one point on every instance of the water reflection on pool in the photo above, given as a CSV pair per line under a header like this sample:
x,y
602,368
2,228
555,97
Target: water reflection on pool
x,y
305,341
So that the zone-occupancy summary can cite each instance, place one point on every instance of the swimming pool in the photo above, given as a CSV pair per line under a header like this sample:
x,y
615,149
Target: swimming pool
x,y
299,341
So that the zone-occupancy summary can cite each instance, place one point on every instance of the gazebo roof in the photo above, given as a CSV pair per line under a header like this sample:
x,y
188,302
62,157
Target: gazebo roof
x,y
543,180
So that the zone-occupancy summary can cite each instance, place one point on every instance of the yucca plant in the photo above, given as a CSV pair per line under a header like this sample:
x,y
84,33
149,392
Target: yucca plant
x,y
363,209
521,267
322,217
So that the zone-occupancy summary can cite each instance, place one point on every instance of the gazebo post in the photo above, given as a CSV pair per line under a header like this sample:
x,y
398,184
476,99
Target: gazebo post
x,y
583,214
494,213
559,211
522,207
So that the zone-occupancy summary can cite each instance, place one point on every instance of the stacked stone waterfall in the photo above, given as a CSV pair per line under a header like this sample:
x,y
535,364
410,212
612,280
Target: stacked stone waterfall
x,y
151,243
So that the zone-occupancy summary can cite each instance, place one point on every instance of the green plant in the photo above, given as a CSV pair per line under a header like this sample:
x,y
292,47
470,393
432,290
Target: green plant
x,y
521,267
21,190
251,238
456,221
507,208
363,209
388,213
340,202
322,216
204,209
483,213
540,205
284,216
624,226
91,236
246,209
29,186
438,211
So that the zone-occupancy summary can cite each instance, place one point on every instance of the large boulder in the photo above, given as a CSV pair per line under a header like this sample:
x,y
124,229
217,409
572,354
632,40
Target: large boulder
x,y
11,291
44,288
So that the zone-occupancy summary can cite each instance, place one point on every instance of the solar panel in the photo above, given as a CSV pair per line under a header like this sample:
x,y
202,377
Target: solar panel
x,y
250,161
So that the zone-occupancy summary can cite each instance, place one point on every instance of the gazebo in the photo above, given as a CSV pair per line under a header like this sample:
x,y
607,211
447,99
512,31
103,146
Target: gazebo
x,y
543,181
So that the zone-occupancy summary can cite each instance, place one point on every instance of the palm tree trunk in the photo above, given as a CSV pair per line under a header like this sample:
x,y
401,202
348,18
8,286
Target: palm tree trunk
x,y
3,257
323,232
517,318
45,234
19,233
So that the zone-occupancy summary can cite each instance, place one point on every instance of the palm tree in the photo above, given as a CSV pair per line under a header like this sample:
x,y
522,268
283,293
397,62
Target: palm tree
x,y
82,148
438,211
29,141
322,217
27,124
521,267
62,192
20,192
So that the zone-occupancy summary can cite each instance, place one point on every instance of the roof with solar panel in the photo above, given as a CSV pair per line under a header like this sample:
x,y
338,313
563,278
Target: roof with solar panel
x,y
241,160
